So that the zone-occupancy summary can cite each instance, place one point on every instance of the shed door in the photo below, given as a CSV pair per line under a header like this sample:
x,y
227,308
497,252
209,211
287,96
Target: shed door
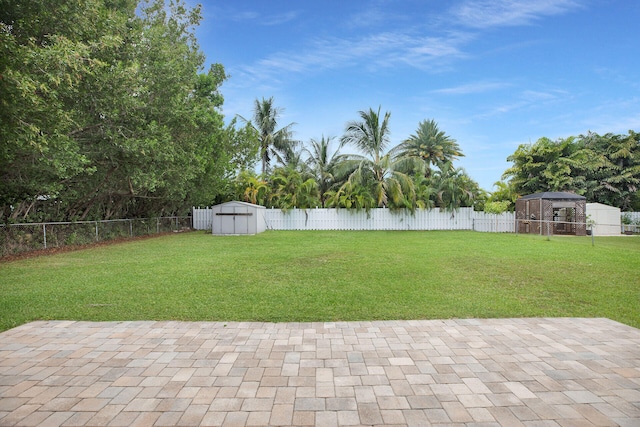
x,y
234,219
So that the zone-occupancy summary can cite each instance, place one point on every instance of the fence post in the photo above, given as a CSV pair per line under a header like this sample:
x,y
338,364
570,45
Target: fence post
x,y
97,238
130,228
44,234
548,230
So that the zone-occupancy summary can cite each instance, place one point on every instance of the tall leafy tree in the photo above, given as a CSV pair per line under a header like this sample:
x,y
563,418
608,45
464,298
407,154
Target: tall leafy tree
x,y
47,53
275,141
234,149
616,180
430,145
106,111
547,165
157,135
389,186
604,168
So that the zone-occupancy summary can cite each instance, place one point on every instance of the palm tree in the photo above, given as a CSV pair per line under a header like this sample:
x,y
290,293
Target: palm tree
x,y
454,188
429,144
273,141
251,188
390,186
369,135
504,192
351,195
293,188
255,191
324,166
425,193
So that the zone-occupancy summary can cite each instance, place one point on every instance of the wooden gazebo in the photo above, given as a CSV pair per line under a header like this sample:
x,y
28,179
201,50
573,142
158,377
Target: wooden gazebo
x,y
551,213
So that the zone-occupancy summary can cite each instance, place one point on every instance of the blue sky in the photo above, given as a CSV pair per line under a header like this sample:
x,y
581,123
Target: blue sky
x,y
492,73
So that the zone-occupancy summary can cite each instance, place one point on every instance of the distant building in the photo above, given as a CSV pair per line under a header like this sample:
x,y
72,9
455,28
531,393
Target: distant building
x,y
606,218
551,213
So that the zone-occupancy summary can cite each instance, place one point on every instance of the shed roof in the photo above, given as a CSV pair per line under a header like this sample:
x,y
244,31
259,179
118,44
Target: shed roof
x,y
236,203
601,206
554,195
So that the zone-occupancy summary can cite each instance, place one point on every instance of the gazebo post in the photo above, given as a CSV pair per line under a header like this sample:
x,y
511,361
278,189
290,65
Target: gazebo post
x,y
541,217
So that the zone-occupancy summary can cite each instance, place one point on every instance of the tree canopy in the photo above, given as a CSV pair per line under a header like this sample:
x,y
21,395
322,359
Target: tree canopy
x,y
375,176
603,168
107,111
430,145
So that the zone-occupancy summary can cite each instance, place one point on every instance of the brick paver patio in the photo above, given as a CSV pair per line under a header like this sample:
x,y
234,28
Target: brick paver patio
x,y
508,372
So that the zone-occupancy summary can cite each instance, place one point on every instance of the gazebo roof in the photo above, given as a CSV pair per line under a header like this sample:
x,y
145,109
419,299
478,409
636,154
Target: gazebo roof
x,y
554,195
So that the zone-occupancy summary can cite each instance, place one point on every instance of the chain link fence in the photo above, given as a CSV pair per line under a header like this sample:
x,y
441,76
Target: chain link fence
x,y
20,238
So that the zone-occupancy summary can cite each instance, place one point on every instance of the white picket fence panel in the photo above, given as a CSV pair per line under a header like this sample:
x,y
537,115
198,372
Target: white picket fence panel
x,y
202,218
375,219
494,223
635,216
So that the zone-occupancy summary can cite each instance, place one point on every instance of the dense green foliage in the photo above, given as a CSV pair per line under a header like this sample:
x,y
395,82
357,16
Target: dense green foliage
x,y
603,168
329,276
376,170
419,172
401,177
106,111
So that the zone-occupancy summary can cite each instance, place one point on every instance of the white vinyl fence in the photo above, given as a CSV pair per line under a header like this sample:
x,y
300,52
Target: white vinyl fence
x,y
202,218
375,219
635,222
635,216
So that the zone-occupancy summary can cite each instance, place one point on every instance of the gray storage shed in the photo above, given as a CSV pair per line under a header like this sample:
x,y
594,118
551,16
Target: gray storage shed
x,y
238,218
607,219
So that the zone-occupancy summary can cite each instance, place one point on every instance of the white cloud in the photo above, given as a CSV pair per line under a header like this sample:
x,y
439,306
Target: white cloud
x,y
505,108
280,19
261,19
476,87
375,13
367,18
378,50
535,95
418,48
245,16
500,13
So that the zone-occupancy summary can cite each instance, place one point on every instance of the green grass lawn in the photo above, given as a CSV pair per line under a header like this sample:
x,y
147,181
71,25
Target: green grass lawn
x,y
329,276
